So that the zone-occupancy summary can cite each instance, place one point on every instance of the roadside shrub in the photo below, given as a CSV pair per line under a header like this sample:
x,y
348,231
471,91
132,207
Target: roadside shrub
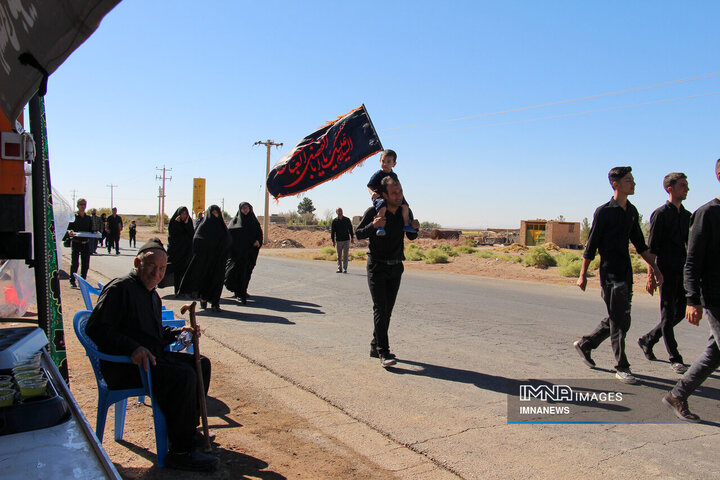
x,y
510,258
447,250
326,253
485,254
359,255
414,253
436,255
470,242
571,268
463,249
540,258
564,258
638,264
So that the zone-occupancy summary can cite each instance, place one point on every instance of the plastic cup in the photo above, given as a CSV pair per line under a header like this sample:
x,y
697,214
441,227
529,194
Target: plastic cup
x,y
7,397
25,369
26,363
28,374
32,387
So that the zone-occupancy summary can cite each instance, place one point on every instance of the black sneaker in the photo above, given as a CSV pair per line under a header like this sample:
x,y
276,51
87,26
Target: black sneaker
x,y
73,285
386,360
585,354
194,461
647,349
680,408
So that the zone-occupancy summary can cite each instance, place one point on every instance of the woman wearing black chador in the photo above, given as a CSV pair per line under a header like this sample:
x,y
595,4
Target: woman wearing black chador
x,y
247,238
180,239
204,274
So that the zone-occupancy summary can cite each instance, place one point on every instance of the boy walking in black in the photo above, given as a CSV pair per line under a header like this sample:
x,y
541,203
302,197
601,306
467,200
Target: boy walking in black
x,y
669,226
702,287
614,225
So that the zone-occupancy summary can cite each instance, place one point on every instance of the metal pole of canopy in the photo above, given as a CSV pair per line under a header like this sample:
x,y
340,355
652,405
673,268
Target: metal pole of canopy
x,y
47,283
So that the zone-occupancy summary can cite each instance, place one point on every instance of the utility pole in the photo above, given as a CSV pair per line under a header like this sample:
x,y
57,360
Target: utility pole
x,y
161,214
73,194
222,210
112,205
266,219
158,222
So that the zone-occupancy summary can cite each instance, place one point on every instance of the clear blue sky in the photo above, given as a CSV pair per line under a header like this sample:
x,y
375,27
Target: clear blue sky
x,y
192,85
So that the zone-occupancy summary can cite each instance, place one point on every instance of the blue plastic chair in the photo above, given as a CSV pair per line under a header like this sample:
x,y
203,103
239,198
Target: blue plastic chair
x,y
86,289
107,397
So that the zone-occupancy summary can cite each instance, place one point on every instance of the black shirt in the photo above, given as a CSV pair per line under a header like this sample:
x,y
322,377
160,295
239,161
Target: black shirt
x,y
341,230
114,223
80,224
612,228
392,245
702,268
128,316
669,227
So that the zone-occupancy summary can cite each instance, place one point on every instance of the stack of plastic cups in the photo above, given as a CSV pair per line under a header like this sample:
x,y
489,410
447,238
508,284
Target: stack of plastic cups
x,y
29,377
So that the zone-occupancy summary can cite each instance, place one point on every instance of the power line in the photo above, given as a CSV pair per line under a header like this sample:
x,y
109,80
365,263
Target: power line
x,y
517,122
561,102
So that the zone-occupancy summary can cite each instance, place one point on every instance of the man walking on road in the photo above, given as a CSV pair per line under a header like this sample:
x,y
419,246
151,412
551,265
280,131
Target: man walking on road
x,y
341,233
80,247
615,224
669,226
115,226
702,287
385,263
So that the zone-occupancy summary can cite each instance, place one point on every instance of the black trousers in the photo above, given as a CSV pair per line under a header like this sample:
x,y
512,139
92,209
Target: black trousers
x,y
79,251
672,312
174,383
618,299
132,242
384,283
113,240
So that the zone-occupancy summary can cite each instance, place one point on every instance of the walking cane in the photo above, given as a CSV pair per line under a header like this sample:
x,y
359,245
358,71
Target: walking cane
x,y
198,370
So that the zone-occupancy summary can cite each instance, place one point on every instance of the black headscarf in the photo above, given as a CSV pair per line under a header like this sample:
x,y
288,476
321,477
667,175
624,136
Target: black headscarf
x,y
245,229
212,232
180,237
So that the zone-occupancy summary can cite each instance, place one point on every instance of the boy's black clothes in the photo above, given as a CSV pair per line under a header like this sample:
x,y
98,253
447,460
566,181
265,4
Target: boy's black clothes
x,y
612,228
702,267
669,227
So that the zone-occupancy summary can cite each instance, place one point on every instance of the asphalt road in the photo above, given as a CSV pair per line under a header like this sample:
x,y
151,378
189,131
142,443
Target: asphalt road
x,y
462,342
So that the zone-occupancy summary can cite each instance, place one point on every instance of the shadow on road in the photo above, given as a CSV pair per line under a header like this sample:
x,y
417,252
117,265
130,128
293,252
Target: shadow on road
x,y
481,380
282,305
243,316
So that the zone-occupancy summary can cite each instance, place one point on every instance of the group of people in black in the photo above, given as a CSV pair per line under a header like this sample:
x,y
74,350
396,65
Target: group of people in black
x,y
202,259
683,256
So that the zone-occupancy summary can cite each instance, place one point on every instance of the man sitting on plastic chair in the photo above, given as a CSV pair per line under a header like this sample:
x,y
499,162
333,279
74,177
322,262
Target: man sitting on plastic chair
x,y
127,321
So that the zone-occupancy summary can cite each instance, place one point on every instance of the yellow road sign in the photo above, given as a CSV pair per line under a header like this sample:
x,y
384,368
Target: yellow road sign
x,y
198,195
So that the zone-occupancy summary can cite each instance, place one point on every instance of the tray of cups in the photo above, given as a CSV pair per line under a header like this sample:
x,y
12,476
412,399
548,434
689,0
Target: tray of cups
x,y
28,399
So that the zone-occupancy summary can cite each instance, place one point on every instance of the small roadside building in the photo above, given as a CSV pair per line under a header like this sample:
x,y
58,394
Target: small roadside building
x,y
537,232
